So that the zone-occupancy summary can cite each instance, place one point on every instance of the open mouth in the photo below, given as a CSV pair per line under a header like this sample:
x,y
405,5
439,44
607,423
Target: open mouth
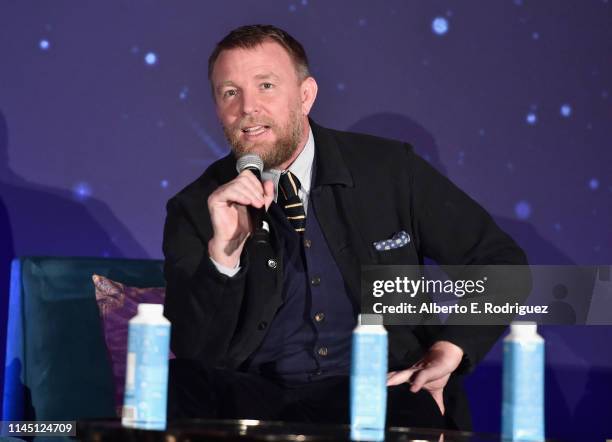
x,y
255,130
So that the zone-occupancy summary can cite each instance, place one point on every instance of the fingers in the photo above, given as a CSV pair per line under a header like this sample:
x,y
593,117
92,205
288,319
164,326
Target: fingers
x,y
420,375
427,375
238,193
251,178
245,189
419,380
432,380
263,191
248,183
399,377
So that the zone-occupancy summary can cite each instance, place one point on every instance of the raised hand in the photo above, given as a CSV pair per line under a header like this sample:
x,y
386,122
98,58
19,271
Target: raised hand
x,y
231,223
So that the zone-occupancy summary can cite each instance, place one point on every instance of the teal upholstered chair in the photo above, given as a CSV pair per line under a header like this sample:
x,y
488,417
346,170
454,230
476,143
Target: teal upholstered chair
x,y
57,366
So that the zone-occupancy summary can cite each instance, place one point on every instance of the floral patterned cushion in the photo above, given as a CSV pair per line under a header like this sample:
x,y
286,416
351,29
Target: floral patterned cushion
x,y
118,304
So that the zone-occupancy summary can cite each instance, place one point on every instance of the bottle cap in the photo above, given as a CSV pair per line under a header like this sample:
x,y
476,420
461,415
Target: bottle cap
x,y
150,309
370,319
523,328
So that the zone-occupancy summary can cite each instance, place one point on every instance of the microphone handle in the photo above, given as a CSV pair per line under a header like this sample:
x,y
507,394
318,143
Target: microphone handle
x,y
260,235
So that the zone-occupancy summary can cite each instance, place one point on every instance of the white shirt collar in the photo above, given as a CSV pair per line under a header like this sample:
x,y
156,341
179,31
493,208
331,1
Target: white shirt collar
x,y
301,168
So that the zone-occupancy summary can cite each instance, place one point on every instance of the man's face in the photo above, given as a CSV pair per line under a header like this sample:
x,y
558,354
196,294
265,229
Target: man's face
x,y
261,103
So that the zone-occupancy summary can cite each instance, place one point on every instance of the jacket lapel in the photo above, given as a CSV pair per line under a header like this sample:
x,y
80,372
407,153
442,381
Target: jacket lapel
x,y
332,196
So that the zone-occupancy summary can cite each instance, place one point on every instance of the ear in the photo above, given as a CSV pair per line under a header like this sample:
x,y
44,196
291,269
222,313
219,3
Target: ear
x,y
308,94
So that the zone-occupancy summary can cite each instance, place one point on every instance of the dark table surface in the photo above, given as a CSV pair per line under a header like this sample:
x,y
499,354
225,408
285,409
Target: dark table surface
x,y
252,430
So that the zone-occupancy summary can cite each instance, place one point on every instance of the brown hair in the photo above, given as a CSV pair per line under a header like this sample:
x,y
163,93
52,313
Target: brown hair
x,y
249,36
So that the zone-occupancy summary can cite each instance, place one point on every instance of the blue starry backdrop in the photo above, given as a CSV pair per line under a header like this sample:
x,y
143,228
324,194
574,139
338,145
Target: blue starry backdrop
x,y
105,113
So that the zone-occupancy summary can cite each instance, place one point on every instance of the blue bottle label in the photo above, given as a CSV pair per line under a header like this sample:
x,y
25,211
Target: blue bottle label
x,y
523,391
146,382
368,386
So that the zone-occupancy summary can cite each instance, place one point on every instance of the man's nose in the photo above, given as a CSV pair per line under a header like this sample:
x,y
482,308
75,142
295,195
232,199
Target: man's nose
x,y
250,103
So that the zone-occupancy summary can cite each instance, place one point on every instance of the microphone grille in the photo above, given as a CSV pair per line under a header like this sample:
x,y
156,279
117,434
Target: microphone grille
x,y
249,161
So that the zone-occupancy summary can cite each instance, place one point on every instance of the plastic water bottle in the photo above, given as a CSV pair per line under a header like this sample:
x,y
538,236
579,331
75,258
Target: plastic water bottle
x,y
146,379
369,379
523,384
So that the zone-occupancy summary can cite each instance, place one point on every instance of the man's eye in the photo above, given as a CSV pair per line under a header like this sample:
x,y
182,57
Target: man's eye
x,y
267,85
229,93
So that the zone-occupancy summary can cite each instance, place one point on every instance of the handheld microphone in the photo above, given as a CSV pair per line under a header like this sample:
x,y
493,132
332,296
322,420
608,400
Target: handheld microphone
x,y
254,163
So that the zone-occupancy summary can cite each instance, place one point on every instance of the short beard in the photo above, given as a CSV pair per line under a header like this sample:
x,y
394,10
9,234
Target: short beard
x,y
272,154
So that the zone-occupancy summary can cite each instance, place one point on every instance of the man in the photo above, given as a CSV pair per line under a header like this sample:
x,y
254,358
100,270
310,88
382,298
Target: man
x,y
263,330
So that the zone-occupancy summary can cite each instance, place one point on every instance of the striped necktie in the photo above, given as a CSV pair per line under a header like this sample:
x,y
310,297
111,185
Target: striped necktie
x,y
290,202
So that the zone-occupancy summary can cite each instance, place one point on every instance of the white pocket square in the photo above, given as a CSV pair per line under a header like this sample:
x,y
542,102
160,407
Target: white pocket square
x,y
400,239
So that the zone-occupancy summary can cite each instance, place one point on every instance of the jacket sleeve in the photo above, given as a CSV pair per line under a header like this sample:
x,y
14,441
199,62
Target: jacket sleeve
x,y
452,229
202,304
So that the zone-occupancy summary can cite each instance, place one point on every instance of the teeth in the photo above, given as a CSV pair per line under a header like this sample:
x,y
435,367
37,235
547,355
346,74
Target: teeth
x,y
254,129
